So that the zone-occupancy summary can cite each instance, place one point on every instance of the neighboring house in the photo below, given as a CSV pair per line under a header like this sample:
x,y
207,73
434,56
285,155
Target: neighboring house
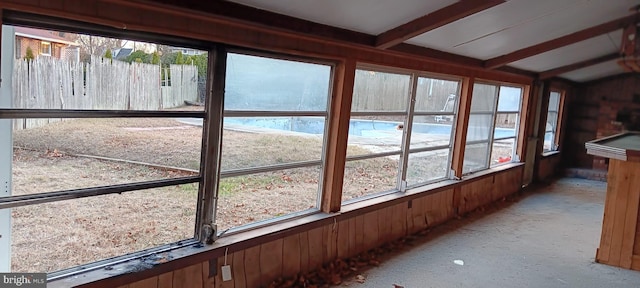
x,y
121,53
186,51
46,43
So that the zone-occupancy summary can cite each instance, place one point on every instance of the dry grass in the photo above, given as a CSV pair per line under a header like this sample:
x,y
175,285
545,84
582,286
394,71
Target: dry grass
x,y
115,138
54,236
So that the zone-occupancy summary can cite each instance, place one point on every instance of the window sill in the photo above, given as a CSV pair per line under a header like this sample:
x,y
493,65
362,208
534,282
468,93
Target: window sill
x,y
491,170
154,265
550,153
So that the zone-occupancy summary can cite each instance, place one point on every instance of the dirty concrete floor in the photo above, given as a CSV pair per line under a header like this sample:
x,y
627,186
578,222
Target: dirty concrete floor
x,y
547,238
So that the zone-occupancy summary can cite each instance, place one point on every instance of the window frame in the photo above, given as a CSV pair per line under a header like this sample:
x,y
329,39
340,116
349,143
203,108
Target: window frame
x,y
43,45
405,151
274,113
555,131
494,114
14,201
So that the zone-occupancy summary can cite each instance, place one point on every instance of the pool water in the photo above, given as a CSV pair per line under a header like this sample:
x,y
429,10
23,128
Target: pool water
x,y
357,127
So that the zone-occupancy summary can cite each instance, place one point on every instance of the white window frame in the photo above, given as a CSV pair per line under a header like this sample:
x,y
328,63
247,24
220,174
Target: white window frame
x,y
43,45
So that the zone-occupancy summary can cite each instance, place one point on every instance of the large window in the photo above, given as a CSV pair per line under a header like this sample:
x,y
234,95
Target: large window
x,y
275,113
551,127
399,133
123,153
106,161
493,126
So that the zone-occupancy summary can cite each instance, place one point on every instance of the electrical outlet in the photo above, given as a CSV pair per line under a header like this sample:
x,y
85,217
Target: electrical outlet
x,y
226,272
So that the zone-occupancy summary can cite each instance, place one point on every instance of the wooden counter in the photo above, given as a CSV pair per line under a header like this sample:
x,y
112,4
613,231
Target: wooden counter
x,y
620,239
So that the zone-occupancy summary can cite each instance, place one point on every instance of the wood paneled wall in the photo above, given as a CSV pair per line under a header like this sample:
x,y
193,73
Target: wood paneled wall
x,y
260,265
549,166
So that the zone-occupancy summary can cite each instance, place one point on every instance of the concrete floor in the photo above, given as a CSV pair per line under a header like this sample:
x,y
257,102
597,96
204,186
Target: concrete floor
x,y
547,238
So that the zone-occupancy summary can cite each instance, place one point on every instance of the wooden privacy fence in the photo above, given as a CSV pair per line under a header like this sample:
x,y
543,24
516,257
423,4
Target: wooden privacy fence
x,y
376,91
103,84
184,85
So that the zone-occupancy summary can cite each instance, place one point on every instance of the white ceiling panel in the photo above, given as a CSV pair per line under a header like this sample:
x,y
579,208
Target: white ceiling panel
x,y
518,24
368,16
601,70
574,53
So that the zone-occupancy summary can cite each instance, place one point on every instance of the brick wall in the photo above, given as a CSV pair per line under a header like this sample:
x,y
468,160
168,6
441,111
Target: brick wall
x,y
592,115
22,43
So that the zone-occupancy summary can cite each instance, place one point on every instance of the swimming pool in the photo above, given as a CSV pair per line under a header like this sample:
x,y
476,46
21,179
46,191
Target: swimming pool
x,y
357,127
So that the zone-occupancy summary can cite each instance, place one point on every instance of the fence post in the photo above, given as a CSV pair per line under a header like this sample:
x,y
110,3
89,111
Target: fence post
x,y
6,143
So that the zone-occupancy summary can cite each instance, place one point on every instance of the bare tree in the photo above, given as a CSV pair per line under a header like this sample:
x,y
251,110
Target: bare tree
x,y
96,45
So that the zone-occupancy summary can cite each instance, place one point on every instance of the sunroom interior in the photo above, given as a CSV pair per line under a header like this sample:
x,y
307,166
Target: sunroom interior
x,y
252,143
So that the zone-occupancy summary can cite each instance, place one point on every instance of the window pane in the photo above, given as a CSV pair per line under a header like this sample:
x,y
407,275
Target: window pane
x,y
250,141
554,101
552,121
370,176
82,153
266,84
427,166
375,134
484,97
435,95
426,133
549,141
89,72
502,151
479,127
54,236
475,157
261,141
250,198
380,91
506,125
509,99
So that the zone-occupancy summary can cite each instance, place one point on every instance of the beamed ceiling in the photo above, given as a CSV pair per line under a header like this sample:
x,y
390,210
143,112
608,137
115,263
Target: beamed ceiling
x,y
574,39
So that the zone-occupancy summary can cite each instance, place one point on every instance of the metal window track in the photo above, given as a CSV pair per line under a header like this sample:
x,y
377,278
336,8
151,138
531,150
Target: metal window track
x,y
427,149
61,113
270,168
376,155
239,113
39,198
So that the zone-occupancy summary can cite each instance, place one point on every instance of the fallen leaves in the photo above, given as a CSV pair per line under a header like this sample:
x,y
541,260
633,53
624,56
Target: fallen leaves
x,y
343,271
55,153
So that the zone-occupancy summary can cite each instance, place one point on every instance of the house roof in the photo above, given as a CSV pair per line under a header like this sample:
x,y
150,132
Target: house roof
x,y
574,39
122,53
43,35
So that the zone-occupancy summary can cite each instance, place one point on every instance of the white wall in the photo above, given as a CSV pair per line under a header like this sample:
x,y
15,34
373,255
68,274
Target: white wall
x,y
6,141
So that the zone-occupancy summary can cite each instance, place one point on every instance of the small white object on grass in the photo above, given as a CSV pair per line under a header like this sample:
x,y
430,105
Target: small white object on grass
x,y
458,262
